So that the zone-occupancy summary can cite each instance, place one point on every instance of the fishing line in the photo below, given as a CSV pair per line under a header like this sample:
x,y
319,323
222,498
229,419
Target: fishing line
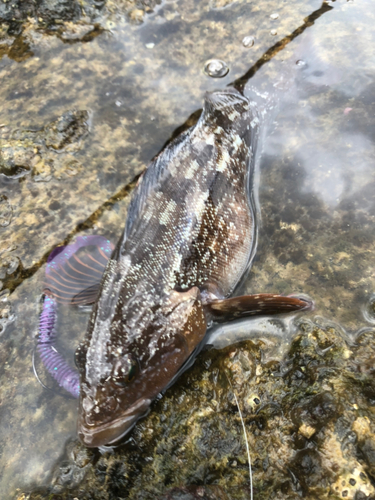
x,y
245,434
51,389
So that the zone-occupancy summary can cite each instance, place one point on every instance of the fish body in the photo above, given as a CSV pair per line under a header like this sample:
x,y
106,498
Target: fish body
x,y
188,240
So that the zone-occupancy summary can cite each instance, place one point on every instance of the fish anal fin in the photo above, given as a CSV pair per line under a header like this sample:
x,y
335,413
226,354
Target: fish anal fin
x,y
255,305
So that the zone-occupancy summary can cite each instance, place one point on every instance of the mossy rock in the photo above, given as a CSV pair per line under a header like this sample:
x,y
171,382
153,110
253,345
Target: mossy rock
x,y
309,422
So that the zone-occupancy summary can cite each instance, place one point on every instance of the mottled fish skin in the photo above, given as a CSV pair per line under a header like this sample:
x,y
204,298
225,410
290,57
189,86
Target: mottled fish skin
x,y
188,239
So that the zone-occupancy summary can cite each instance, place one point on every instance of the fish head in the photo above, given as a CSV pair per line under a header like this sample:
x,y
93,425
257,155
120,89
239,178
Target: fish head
x,y
129,375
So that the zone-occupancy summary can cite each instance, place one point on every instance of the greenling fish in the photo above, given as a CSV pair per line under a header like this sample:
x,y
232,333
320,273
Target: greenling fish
x,y
189,238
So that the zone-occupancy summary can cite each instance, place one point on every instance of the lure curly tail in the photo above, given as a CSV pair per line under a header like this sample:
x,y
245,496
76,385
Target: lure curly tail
x,y
72,277
65,376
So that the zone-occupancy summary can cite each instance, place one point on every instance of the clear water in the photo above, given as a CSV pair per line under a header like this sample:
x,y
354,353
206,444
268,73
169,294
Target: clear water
x,y
316,177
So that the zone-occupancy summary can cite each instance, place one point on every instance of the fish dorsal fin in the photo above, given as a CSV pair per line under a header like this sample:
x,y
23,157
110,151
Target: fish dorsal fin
x,y
151,180
74,272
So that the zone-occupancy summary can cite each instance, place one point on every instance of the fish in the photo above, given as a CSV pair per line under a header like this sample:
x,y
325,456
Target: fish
x,y
188,242
189,239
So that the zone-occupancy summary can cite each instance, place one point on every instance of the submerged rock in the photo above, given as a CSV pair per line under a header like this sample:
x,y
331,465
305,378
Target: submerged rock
x,y
309,422
7,314
195,493
19,19
68,128
16,159
6,211
20,10
22,23
25,151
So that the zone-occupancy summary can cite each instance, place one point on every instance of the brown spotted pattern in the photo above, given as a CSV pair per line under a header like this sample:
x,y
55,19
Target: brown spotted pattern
x,y
189,233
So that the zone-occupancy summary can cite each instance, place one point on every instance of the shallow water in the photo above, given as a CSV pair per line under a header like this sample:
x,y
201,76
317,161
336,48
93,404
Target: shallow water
x,y
316,179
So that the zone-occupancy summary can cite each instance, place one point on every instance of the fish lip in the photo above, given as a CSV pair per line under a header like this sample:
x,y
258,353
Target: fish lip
x,y
110,432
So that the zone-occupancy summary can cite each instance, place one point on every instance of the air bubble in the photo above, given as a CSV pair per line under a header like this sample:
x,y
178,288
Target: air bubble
x,y
301,64
274,16
248,41
273,32
216,68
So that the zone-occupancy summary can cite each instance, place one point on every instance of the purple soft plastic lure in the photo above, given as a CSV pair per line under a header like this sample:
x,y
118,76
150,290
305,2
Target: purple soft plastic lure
x,y
72,276
56,365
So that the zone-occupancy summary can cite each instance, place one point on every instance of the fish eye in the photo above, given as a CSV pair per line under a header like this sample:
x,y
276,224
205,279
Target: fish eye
x,y
125,370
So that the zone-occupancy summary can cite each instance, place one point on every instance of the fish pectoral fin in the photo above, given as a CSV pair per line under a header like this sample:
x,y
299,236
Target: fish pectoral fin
x,y
86,297
188,318
254,305
195,326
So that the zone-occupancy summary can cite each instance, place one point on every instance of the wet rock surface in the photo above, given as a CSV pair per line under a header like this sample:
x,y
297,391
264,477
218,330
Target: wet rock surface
x,y
195,493
70,20
309,422
5,211
7,315
54,12
137,69
26,151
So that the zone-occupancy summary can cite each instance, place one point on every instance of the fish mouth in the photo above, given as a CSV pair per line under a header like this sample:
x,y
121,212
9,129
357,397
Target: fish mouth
x,y
94,436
